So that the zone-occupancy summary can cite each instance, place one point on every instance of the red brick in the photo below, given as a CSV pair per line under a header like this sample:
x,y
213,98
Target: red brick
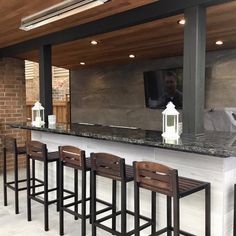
x,y
12,101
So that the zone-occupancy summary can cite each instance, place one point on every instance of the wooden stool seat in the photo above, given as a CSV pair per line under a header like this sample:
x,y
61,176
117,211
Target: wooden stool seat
x,y
189,186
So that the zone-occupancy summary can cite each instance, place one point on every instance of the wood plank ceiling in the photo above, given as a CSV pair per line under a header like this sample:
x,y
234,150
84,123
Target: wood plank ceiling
x,y
157,39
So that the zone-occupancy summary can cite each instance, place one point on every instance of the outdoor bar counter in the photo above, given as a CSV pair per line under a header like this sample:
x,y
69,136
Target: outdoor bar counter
x,y
209,157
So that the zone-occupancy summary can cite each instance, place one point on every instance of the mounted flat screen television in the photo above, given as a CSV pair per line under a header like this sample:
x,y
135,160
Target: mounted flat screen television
x,y
163,86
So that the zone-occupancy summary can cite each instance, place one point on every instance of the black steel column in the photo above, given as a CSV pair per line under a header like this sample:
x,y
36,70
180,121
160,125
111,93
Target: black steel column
x,y
45,79
194,70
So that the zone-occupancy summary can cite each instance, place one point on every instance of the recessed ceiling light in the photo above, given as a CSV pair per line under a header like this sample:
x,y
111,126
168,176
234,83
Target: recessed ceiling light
x,y
94,42
82,63
131,56
219,42
182,22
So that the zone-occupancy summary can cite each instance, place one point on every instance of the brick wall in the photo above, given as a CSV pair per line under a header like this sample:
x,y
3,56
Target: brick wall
x,y
12,100
60,82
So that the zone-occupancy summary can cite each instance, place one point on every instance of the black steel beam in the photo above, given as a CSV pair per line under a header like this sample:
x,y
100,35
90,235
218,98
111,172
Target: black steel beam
x,y
143,14
194,70
45,79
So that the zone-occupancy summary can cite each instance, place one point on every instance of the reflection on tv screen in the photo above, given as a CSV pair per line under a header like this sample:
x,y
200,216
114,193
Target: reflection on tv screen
x,y
163,86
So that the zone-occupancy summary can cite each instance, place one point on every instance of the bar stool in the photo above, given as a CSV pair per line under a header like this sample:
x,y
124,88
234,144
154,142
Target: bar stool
x,y
162,179
114,168
10,148
74,158
37,151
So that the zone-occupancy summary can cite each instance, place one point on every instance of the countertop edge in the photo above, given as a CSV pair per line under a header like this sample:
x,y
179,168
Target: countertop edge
x,y
186,148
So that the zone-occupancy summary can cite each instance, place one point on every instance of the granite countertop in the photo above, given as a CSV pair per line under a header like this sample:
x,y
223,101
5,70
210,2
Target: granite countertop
x,y
219,144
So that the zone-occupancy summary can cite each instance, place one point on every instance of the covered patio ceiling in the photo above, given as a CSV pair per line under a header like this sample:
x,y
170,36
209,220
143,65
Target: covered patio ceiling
x,y
156,39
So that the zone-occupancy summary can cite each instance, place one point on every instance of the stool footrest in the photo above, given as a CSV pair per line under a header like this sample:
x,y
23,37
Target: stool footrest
x,y
140,216
72,212
164,230
19,181
42,192
10,187
42,200
103,202
105,218
114,232
74,203
36,186
68,191
37,199
69,196
9,184
108,208
23,180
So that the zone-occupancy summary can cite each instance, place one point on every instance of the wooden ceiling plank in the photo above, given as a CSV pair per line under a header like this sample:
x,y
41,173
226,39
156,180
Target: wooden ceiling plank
x,y
145,13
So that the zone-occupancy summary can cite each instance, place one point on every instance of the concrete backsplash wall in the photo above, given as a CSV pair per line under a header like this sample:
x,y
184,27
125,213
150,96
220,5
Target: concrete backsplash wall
x,y
221,79
115,94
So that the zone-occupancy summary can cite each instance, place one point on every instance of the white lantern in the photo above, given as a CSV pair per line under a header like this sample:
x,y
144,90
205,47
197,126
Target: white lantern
x,y
170,122
38,115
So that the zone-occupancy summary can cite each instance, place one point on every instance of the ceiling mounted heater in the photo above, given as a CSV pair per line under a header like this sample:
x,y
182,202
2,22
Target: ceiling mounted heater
x,y
59,11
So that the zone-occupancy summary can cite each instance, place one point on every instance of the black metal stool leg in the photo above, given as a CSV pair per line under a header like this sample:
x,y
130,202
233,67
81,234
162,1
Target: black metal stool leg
x,y
169,216
93,199
76,192
154,206
28,189
61,196
234,226
16,184
208,210
46,225
57,183
90,195
33,176
83,207
123,208
136,209
176,216
5,176
113,205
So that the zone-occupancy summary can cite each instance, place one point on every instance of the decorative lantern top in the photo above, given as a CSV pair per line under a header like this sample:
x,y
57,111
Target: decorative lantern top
x,y
170,110
37,106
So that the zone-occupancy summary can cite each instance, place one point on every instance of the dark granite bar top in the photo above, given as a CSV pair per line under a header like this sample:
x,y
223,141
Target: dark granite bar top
x,y
219,144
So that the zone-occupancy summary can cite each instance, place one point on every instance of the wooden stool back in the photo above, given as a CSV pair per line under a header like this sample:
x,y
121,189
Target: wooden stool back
x,y
72,156
108,165
156,177
9,144
36,150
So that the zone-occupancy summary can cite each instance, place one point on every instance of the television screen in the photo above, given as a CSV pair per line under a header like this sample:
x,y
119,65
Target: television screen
x,y
163,86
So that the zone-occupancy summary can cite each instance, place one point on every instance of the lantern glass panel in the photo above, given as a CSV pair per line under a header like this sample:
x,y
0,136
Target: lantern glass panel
x,y
42,115
170,126
35,114
170,120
